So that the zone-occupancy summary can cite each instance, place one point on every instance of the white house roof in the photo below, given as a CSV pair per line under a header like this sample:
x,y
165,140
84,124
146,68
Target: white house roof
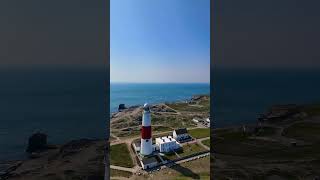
x,y
165,139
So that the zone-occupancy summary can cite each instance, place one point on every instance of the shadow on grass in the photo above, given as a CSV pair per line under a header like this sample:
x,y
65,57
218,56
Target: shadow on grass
x,y
184,171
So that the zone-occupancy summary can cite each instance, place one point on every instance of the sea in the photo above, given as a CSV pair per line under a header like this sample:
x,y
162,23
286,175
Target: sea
x,y
132,94
241,95
64,103
69,104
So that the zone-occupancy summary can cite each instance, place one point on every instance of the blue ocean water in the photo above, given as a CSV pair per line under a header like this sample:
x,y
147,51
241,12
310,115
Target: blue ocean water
x,y
139,93
66,104
240,95
70,104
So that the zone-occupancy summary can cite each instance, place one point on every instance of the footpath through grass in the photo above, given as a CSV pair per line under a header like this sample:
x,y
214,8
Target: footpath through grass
x,y
120,155
206,142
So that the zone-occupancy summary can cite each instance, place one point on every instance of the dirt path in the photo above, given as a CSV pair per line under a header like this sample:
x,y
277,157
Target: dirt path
x,y
199,141
132,170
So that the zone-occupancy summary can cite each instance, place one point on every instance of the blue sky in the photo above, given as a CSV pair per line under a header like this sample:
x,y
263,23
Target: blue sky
x,y
160,40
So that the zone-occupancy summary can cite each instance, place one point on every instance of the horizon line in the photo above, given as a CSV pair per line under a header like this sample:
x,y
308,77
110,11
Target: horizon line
x,y
123,82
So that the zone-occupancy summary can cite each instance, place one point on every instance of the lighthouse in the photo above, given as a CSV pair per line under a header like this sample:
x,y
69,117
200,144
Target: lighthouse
x,y
146,139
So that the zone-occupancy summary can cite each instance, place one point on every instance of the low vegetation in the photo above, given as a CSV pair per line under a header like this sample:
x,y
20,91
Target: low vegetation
x,y
199,132
120,155
306,131
206,142
189,149
118,173
197,169
175,121
161,128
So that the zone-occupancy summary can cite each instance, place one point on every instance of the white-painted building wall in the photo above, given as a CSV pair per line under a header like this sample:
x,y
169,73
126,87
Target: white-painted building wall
x,y
167,144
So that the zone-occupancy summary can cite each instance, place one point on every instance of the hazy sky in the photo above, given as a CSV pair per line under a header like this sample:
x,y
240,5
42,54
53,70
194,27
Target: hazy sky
x,y
160,41
54,32
266,33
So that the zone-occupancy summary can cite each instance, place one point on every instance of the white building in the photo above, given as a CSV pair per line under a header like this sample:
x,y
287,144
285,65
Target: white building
x,y
180,134
167,144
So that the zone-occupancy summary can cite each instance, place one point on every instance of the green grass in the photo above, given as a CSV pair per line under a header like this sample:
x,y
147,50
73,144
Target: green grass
x,y
170,156
120,155
131,133
161,128
189,149
189,108
173,121
306,131
118,173
206,142
199,132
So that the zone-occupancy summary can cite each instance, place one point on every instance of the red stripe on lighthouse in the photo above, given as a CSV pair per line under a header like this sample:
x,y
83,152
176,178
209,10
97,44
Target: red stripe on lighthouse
x,y
146,132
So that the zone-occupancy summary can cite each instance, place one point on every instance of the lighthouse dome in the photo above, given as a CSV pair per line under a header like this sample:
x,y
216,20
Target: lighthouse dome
x,y
146,107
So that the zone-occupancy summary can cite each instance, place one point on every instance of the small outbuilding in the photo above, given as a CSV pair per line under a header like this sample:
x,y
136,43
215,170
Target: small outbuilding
x,y
181,134
148,163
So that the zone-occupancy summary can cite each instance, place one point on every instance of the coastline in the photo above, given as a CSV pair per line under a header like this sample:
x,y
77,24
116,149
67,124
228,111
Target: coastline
x,y
285,136
71,150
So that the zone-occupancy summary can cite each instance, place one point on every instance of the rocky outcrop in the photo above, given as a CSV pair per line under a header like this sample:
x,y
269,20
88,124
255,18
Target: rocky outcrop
x,y
79,159
121,107
37,142
279,113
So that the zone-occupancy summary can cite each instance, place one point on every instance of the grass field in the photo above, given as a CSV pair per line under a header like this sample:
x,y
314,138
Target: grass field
x,y
206,142
199,132
161,128
197,169
190,149
118,173
190,108
120,155
170,156
131,133
173,121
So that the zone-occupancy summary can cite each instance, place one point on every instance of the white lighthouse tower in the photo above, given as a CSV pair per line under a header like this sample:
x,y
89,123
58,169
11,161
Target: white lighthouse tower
x,y
146,138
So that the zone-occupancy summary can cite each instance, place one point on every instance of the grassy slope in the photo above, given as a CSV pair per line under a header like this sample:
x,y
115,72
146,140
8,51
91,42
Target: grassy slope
x,y
191,149
120,155
118,173
307,131
206,142
200,132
